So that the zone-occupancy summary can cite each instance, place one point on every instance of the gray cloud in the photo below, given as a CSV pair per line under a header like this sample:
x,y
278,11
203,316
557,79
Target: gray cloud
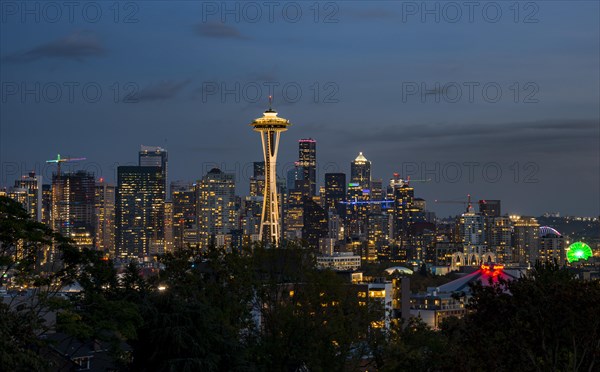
x,y
543,134
218,30
77,46
161,91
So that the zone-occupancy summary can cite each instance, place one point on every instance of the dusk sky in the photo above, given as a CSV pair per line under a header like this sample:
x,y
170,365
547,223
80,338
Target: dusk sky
x,y
361,78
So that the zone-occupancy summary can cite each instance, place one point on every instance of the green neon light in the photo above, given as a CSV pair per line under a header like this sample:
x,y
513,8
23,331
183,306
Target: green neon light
x,y
578,251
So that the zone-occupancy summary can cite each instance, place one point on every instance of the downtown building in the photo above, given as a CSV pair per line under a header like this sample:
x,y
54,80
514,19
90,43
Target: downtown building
x,y
335,193
105,217
216,208
73,207
307,162
525,239
552,247
472,237
183,209
140,209
28,191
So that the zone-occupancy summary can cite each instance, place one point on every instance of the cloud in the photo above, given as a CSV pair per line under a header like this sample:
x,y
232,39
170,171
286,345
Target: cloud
x,y
161,91
541,135
218,30
76,46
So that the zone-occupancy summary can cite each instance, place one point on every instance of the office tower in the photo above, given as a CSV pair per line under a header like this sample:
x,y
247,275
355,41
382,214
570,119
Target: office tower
x,y
250,216
551,246
258,168
293,175
360,171
499,237
307,160
216,206
154,156
490,208
257,180
335,225
73,205
169,242
377,230
47,204
405,211
270,128
525,239
314,226
31,188
335,193
472,236
140,206
376,196
294,215
357,210
105,217
421,243
183,197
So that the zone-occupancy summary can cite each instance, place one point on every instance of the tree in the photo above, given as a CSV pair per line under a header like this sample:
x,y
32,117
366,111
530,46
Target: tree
x,y
34,257
546,321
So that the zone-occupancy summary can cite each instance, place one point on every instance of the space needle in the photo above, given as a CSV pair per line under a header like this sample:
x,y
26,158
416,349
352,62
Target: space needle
x,y
270,127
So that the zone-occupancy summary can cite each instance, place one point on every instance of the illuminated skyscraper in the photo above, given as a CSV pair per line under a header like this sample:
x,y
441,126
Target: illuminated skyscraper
x,y
335,192
472,235
525,239
360,171
406,211
105,217
216,206
270,127
73,210
551,246
47,204
357,210
307,160
294,215
183,197
140,205
499,237
257,181
31,188
154,156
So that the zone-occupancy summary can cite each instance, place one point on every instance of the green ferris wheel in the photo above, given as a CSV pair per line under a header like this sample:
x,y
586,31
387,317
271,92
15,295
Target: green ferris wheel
x,y
578,251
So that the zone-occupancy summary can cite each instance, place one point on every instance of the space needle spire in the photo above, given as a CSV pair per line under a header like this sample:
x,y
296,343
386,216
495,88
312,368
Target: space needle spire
x,y
270,127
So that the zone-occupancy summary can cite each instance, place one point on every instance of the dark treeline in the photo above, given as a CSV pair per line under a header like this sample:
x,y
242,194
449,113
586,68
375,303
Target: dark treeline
x,y
271,310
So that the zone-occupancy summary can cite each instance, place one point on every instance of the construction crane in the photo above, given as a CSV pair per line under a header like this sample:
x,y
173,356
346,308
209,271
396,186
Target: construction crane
x,y
60,160
463,202
397,181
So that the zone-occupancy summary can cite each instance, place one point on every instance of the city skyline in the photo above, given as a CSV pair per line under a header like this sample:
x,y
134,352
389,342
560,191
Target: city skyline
x,y
434,202
363,104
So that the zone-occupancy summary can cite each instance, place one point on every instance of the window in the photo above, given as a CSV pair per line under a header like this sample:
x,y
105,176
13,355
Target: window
x,y
83,363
